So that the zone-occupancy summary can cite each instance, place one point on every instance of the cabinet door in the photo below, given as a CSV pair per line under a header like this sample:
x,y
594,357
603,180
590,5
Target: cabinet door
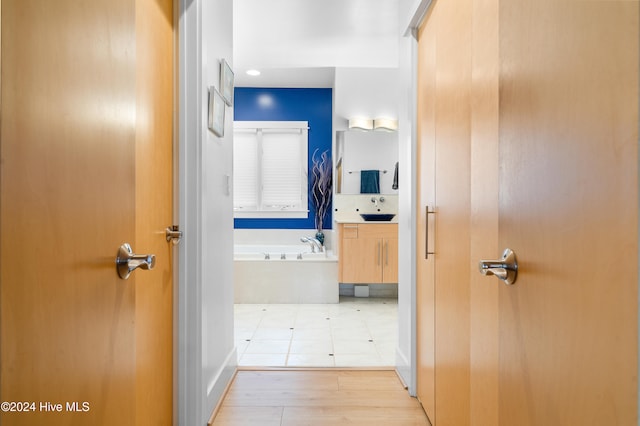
x,y
390,260
362,260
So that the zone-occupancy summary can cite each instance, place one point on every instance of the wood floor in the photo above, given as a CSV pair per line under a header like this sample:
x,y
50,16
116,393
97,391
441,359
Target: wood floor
x,y
319,397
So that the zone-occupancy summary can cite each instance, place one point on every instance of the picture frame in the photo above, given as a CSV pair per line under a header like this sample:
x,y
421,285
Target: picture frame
x,y
216,112
226,82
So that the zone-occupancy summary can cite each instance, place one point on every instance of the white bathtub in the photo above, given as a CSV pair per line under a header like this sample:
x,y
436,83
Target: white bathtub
x,y
284,274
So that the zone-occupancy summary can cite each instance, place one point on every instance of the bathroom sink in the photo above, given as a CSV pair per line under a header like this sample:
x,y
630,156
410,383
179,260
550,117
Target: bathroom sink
x,y
377,217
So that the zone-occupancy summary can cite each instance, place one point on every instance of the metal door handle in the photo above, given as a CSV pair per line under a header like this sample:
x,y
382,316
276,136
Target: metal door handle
x,y
426,233
127,261
505,269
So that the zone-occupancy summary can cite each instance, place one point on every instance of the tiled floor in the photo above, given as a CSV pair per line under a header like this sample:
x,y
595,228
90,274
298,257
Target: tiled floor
x,y
357,332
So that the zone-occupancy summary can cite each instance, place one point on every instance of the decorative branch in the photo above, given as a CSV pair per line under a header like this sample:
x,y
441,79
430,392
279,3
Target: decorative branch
x,y
321,185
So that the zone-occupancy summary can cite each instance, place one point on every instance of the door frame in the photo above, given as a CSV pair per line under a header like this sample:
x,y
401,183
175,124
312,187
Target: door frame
x,y
407,284
188,401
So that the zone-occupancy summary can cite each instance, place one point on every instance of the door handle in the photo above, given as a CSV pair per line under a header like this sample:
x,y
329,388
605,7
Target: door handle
x,y
127,261
426,233
505,269
386,253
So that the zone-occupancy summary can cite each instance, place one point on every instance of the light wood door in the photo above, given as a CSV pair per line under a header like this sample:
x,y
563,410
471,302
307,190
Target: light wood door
x,y
445,152
569,209
154,204
77,109
554,176
425,193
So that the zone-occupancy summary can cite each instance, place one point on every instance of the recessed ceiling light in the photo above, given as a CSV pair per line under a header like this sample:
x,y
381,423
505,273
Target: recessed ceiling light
x,y
253,72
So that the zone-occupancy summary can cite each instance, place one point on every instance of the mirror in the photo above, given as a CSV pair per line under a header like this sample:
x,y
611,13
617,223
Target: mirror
x,y
365,150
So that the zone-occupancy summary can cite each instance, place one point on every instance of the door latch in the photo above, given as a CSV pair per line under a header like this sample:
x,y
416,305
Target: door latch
x,y
174,234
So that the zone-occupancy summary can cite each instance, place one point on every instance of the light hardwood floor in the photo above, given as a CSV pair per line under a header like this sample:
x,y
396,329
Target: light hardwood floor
x,y
319,397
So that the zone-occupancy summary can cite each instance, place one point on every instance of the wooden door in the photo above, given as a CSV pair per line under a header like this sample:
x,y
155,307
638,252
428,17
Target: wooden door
x,y
76,112
554,174
569,209
425,193
445,152
154,204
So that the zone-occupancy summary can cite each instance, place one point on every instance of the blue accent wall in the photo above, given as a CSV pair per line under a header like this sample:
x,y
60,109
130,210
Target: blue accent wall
x,y
279,104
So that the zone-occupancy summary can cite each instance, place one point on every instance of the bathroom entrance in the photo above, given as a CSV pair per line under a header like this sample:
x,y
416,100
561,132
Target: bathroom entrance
x,y
294,64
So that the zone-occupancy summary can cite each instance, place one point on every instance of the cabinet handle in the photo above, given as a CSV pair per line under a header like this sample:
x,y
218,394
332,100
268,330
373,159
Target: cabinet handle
x,y
386,253
379,252
426,233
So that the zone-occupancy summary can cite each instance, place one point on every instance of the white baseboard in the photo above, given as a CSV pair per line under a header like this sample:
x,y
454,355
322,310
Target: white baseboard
x,y
403,367
218,387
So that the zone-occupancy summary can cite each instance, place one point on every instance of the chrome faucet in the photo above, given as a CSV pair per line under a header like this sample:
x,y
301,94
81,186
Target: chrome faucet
x,y
314,242
375,200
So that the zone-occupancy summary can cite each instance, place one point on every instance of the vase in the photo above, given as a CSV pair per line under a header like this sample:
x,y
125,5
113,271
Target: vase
x,y
320,237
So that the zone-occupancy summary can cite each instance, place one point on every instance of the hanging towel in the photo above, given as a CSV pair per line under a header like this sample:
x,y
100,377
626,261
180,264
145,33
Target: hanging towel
x,y
370,181
395,178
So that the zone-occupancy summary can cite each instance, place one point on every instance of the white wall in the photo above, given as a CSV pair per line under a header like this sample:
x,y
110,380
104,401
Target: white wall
x,y
218,349
328,33
206,357
366,92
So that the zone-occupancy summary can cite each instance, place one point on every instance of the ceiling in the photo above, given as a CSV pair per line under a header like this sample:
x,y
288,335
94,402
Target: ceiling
x,y
300,43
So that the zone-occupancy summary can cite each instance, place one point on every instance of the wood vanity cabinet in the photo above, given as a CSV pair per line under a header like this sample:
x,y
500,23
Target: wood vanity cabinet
x,y
368,253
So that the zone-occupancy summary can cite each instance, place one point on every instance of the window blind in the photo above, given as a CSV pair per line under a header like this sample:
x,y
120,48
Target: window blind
x,y
270,169
281,173
245,170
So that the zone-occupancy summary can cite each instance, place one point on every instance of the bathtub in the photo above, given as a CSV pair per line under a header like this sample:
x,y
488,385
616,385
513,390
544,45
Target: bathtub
x,y
284,274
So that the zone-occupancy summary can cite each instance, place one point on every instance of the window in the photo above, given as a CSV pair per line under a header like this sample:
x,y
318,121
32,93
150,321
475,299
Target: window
x,y
270,169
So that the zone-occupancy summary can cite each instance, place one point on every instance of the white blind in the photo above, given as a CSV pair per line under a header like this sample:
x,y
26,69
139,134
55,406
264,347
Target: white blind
x,y
270,169
245,170
281,173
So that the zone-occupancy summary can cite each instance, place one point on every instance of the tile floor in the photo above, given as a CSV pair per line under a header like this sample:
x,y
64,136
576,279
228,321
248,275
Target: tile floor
x,y
357,332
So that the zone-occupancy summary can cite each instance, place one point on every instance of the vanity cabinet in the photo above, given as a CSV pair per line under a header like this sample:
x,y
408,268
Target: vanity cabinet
x,y
368,253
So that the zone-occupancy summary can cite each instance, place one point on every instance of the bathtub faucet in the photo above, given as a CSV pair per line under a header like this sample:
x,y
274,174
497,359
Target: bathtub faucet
x,y
314,243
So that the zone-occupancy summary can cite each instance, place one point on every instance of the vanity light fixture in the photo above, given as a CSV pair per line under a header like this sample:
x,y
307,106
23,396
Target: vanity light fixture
x,y
253,73
360,124
385,124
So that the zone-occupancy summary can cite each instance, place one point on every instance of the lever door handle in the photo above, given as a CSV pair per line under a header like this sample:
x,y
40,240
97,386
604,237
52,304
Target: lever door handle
x,y
127,261
505,269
